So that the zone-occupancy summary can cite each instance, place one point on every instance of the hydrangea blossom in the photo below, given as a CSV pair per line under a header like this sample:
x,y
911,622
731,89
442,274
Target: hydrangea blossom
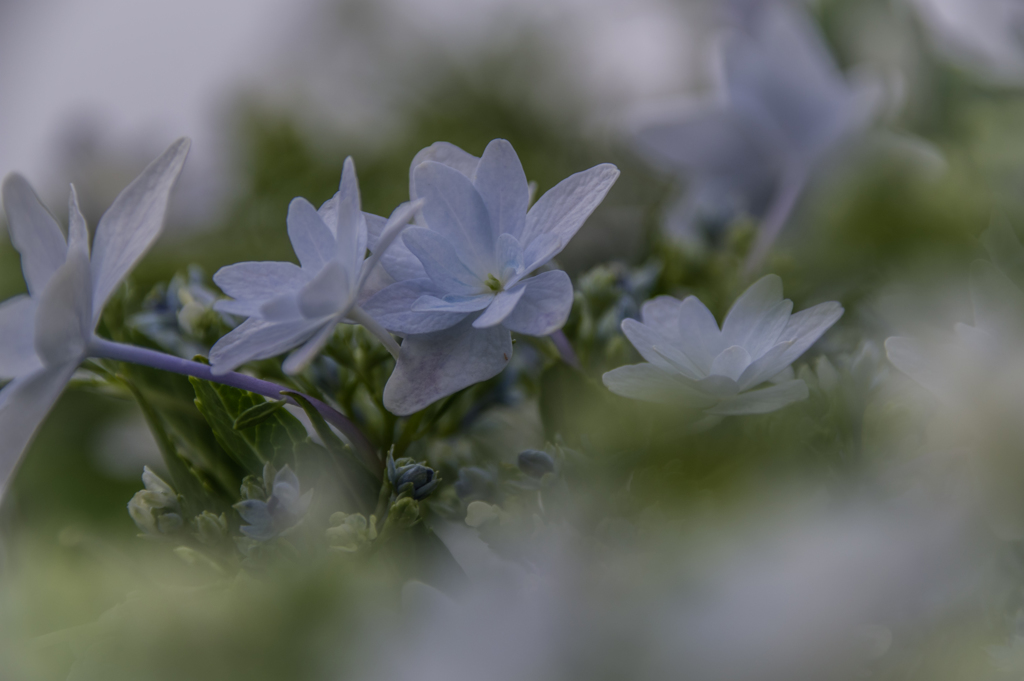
x,y
284,508
288,305
695,364
462,273
46,334
782,103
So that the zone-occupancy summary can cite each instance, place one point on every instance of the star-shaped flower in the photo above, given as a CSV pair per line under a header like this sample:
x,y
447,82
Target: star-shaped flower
x,y
284,508
782,103
463,271
694,364
46,334
288,305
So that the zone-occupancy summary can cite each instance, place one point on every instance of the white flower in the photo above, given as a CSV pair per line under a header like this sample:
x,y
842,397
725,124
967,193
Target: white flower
x,y
984,35
46,334
782,103
463,271
289,305
696,365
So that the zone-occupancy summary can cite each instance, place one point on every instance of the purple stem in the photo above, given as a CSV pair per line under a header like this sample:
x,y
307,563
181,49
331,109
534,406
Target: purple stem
x,y
565,349
790,187
105,349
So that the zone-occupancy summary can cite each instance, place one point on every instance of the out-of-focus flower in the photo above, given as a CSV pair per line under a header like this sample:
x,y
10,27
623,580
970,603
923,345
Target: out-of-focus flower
x,y
288,305
155,510
462,273
985,35
782,103
475,483
179,315
411,479
975,377
535,463
284,508
46,334
694,364
350,532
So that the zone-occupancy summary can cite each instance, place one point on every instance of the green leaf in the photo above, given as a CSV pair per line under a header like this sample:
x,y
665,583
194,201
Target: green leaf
x,y
273,440
359,484
196,489
256,415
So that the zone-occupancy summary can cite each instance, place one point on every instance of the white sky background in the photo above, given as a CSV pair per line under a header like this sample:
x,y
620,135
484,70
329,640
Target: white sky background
x,y
140,73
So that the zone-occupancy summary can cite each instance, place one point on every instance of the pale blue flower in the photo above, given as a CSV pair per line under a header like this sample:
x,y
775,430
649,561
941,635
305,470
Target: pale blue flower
x,y
694,364
282,510
290,305
462,273
46,334
156,509
782,103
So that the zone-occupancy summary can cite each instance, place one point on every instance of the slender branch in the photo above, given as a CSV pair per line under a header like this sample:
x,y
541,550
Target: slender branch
x,y
565,349
790,187
105,349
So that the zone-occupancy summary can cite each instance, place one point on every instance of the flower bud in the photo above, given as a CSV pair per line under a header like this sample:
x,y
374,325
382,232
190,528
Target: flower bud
x,y
535,463
155,510
412,479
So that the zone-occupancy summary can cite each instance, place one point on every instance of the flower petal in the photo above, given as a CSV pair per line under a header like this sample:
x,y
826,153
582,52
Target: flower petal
x,y
329,292
452,303
765,367
24,403
501,307
350,228
648,383
545,306
442,262
299,359
133,222
806,327
559,214
433,366
387,235
64,317
78,232
311,239
259,339
749,311
731,362
762,401
448,154
509,259
454,209
393,308
17,332
660,350
502,185
911,358
698,332
260,280
719,387
34,233
400,263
